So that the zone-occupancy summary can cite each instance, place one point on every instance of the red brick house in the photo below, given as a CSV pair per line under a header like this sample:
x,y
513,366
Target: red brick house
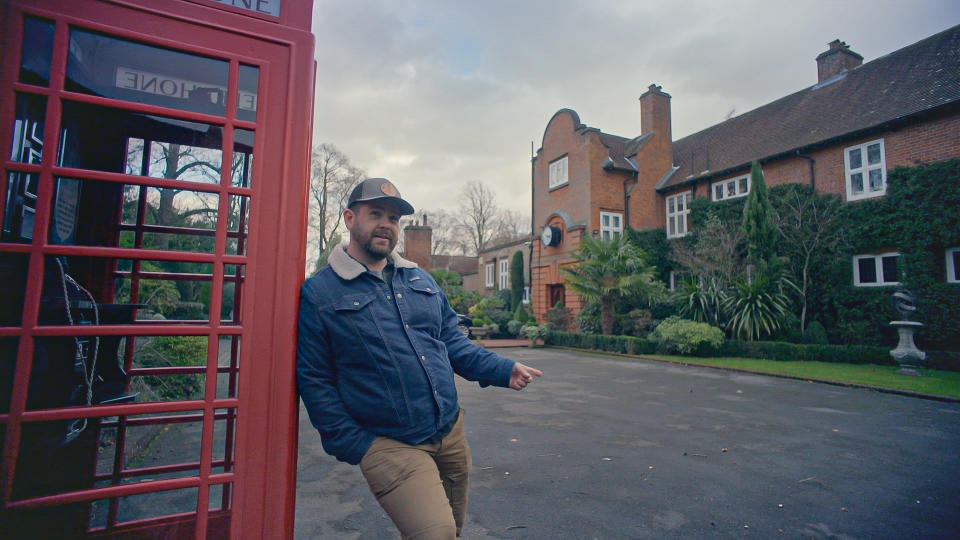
x,y
494,266
840,135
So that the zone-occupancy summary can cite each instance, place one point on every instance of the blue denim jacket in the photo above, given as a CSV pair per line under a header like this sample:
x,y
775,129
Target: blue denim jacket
x,y
371,361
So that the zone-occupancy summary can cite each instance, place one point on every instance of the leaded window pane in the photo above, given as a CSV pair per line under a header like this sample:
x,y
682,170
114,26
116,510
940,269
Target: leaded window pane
x,y
956,265
718,192
873,154
671,222
889,264
876,179
731,189
856,181
743,185
670,205
868,270
856,161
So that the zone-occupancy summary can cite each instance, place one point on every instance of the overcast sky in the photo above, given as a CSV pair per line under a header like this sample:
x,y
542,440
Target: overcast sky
x,y
435,93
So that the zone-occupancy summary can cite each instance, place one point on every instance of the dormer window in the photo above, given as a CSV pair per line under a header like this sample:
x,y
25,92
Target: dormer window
x,y
558,172
731,188
865,169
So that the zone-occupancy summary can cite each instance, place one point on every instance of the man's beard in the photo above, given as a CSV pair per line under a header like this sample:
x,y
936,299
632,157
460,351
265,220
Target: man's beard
x,y
378,251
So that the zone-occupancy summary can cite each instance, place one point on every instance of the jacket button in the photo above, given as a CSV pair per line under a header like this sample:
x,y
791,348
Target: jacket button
x,y
399,295
388,297
406,326
424,358
356,303
429,289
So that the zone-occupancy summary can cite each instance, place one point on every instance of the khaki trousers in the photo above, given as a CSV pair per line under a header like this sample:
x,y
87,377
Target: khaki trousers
x,y
422,487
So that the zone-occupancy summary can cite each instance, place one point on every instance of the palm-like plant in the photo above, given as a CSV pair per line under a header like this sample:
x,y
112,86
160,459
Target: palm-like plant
x,y
701,300
606,269
758,306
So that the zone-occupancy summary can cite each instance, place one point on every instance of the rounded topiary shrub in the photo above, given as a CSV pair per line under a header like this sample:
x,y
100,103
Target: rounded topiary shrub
x,y
687,337
815,334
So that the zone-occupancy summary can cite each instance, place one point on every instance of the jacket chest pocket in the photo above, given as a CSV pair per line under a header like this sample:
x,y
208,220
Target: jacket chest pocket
x,y
423,305
355,316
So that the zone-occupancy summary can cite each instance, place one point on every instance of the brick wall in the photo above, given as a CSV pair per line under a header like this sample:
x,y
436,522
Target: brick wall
x,y
562,139
929,142
495,255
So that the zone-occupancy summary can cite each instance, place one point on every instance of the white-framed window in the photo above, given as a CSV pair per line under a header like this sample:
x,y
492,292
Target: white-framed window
x,y
611,225
678,207
875,270
504,274
489,275
953,265
676,278
558,172
866,170
730,188
526,295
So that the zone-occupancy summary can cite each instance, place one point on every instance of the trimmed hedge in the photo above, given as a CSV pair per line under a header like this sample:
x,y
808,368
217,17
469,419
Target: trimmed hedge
x,y
617,344
770,350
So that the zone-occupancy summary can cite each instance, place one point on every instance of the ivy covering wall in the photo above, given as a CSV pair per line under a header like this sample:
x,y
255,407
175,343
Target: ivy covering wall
x,y
919,217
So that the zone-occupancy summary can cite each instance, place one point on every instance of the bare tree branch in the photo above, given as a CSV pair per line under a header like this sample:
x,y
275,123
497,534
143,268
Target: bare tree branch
x,y
331,180
478,209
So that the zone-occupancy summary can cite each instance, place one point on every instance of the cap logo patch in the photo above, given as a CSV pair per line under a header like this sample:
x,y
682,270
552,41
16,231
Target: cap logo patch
x,y
388,189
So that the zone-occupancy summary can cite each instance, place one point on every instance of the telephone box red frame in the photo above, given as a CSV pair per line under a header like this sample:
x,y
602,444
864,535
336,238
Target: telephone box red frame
x,y
258,477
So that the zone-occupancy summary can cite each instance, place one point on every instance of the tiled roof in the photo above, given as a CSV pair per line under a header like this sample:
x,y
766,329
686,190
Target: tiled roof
x,y
507,243
458,263
917,78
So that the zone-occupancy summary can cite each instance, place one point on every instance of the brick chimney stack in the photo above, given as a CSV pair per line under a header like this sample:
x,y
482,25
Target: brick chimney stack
x,y
837,59
418,241
655,112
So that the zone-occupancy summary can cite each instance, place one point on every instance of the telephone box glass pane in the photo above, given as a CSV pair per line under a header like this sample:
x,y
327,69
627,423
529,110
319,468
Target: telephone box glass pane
x,y
27,144
232,288
113,140
238,227
117,68
247,100
8,364
13,283
89,213
21,208
37,51
242,158
228,365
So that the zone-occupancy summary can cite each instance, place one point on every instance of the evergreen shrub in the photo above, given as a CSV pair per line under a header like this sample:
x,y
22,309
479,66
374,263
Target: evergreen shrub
x,y
687,337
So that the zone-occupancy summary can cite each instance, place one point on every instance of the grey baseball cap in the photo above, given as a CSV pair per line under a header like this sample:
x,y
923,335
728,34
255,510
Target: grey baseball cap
x,y
375,189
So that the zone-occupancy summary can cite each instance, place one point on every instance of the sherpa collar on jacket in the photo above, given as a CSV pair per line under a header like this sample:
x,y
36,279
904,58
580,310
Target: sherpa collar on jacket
x,y
349,268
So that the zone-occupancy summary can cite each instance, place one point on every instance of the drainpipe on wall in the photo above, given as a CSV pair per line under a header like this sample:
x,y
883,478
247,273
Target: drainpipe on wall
x,y
626,203
533,217
810,161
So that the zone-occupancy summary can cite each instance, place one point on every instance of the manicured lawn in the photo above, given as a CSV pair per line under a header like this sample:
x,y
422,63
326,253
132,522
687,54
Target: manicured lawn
x,y
942,383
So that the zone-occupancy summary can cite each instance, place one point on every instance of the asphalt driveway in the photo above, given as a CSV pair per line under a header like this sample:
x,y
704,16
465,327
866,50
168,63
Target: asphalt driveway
x,y
606,447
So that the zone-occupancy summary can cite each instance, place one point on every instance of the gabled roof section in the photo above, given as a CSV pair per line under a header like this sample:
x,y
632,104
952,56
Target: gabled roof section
x,y
577,124
621,149
913,80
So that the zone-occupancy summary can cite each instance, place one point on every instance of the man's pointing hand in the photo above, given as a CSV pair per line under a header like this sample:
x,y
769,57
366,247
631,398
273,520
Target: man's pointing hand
x,y
522,375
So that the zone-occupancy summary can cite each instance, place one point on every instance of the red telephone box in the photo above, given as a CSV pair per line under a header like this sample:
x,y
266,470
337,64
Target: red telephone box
x,y
155,156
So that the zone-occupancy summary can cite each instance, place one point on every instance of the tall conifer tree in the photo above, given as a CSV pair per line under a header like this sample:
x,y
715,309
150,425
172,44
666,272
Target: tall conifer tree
x,y
758,219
